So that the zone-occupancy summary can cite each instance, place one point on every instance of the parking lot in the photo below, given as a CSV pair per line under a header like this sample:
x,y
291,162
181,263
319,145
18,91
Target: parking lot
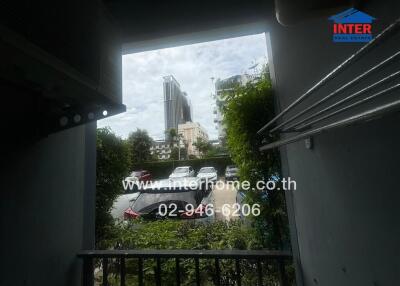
x,y
175,196
224,194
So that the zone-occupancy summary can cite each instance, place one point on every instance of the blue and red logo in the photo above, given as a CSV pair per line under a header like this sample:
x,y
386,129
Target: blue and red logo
x,y
352,26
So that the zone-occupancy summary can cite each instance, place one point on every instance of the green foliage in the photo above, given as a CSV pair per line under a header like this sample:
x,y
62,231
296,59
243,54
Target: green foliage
x,y
171,135
216,151
187,234
202,146
162,169
112,166
246,110
175,153
139,143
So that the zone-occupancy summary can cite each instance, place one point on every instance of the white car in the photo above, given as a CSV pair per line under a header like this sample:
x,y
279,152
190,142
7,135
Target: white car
x,y
208,174
130,184
182,172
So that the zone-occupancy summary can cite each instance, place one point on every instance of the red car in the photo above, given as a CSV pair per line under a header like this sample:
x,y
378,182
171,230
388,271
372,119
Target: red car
x,y
142,175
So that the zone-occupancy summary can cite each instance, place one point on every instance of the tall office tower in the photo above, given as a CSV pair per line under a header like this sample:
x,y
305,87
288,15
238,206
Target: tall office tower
x,y
176,104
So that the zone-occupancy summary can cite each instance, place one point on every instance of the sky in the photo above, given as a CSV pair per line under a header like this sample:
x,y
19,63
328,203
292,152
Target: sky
x,y
193,66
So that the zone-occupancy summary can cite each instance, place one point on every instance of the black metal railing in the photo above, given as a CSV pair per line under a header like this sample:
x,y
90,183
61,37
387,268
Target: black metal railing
x,y
117,260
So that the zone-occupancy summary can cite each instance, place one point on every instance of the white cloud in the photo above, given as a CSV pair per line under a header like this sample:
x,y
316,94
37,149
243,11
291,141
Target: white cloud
x,y
193,66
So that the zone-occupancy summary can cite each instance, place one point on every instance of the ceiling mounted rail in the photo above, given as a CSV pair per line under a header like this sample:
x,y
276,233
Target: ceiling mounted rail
x,y
354,57
368,115
340,102
337,91
379,82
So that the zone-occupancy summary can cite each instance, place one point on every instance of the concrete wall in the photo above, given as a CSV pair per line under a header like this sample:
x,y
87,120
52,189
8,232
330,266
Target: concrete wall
x,y
47,208
344,213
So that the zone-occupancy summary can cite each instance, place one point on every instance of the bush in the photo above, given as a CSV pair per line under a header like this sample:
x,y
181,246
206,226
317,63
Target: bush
x,y
246,110
162,169
112,166
139,143
187,234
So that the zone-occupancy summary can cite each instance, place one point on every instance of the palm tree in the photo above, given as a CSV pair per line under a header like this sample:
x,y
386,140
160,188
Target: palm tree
x,y
171,136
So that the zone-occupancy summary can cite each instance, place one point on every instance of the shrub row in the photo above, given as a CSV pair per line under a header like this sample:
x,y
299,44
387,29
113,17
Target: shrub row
x,y
162,169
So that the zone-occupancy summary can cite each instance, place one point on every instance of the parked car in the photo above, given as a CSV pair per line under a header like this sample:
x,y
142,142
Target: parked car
x,y
203,215
141,175
122,203
231,173
131,183
174,195
131,192
208,174
181,172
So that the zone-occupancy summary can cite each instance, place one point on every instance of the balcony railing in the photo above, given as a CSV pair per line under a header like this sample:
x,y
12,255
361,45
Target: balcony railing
x,y
116,260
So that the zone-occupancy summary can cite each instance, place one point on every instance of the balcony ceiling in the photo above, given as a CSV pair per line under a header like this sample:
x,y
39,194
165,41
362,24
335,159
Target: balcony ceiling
x,y
160,24
148,20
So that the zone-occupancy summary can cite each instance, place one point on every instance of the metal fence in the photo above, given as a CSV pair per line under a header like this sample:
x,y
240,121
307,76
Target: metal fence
x,y
119,258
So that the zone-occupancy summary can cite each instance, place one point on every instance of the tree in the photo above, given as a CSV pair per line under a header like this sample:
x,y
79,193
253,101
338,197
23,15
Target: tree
x,y
246,110
202,146
177,154
215,151
171,135
112,166
174,138
139,143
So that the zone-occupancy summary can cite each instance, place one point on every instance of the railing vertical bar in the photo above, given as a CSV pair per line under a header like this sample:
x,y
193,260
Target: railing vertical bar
x,y
140,273
282,273
88,271
122,271
217,272
196,262
177,272
158,272
120,257
259,272
105,271
238,274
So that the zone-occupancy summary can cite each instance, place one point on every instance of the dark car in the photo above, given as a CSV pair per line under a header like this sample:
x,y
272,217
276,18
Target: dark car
x,y
231,173
167,198
205,212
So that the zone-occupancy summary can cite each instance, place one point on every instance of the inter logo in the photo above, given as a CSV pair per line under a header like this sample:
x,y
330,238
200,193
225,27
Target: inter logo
x,y
352,25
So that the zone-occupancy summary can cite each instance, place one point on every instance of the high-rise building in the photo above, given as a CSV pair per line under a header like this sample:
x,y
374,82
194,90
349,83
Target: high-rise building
x,y
224,86
176,104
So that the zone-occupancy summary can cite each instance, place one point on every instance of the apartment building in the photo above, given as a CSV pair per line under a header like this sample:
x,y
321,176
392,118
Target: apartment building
x,y
189,133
